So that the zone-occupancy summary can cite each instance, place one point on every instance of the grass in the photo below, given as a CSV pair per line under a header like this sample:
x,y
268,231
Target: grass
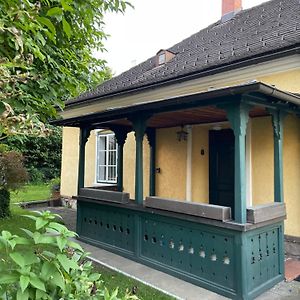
x,y
114,279
31,192
16,221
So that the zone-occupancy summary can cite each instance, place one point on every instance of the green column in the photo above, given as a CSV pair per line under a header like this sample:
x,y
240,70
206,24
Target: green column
x,y
277,122
139,124
120,135
151,135
83,137
238,116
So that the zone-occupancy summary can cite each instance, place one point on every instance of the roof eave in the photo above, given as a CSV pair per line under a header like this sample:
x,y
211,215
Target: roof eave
x,y
203,97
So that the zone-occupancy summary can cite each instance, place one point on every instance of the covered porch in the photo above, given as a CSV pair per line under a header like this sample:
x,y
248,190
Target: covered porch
x,y
223,244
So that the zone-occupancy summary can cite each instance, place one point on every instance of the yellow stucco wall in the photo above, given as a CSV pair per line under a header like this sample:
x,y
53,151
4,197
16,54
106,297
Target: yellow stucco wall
x,y
291,174
262,161
129,166
200,180
69,166
171,159
287,81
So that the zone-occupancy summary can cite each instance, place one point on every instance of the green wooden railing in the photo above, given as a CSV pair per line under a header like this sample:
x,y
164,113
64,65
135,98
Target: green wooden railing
x,y
239,263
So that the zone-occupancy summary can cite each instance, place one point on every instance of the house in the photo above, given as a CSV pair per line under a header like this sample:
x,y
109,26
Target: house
x,y
189,162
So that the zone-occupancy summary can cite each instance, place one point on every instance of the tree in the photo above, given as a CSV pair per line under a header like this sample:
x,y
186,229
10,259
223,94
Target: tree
x,y
46,57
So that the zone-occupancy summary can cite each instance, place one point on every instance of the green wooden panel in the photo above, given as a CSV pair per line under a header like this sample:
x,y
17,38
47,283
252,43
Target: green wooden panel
x,y
264,256
108,225
237,264
190,248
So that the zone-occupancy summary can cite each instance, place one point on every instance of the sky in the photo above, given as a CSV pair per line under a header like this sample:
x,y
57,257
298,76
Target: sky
x,y
156,24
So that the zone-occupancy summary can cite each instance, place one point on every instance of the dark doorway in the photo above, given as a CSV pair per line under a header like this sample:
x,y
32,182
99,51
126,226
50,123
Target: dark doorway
x,y
221,168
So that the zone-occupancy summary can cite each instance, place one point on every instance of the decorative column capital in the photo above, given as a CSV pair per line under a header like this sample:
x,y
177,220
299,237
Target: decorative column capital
x,y
238,116
139,124
150,132
120,133
84,135
277,119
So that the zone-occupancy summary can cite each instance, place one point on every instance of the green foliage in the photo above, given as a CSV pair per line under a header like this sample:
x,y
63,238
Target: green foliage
x,y
42,154
35,273
46,56
4,203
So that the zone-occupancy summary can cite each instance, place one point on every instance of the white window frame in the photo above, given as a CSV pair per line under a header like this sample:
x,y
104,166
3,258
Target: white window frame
x,y
106,163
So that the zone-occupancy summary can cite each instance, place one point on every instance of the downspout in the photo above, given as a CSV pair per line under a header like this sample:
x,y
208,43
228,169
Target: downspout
x,y
189,155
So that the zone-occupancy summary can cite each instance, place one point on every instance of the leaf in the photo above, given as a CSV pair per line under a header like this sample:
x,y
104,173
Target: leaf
x,y
94,277
67,28
61,242
41,295
58,227
18,259
49,254
58,280
54,11
66,263
75,245
48,23
65,6
22,295
40,223
47,270
6,234
28,232
22,241
8,278
24,281
37,283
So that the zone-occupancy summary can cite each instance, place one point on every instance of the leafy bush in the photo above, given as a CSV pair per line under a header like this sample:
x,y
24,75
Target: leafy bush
x,y
35,175
36,272
13,176
4,203
54,184
13,173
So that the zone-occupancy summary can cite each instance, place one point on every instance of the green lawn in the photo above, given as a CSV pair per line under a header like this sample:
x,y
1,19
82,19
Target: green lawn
x,y
31,192
113,279
16,221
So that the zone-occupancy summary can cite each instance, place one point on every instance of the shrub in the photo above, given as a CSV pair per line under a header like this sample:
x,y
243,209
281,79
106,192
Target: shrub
x,y
13,173
13,176
4,203
35,175
35,272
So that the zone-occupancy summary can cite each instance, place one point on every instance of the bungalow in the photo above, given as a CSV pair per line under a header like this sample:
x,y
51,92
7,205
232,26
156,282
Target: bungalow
x,y
189,162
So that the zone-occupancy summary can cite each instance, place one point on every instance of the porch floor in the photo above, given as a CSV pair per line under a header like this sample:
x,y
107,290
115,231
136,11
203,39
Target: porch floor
x,y
166,283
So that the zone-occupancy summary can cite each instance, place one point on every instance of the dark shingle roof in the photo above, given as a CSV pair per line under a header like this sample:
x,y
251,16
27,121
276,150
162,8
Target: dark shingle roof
x,y
269,27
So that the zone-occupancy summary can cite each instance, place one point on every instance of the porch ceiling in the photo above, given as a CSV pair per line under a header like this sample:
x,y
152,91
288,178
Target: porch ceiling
x,y
201,115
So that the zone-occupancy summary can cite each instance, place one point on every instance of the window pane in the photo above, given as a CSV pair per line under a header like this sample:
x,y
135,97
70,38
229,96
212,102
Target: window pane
x,y
112,142
102,142
102,173
110,174
101,158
